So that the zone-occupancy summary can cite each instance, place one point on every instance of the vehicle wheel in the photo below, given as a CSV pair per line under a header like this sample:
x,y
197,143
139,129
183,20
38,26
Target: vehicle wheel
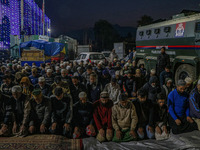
x,y
184,71
141,61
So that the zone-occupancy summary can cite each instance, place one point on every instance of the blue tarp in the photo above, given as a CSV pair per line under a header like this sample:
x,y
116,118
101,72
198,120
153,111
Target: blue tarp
x,y
50,48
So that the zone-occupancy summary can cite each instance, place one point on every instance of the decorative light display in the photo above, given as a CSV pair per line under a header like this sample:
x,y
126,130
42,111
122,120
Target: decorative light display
x,y
10,20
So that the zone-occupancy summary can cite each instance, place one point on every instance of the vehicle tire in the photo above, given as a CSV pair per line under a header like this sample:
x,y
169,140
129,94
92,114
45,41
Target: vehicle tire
x,y
141,61
184,71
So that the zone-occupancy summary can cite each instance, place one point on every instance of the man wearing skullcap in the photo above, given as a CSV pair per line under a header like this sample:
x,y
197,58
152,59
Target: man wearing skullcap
x,y
83,121
40,114
194,104
76,87
179,113
49,77
7,85
45,87
62,112
114,90
18,110
103,117
124,120
167,87
119,78
189,85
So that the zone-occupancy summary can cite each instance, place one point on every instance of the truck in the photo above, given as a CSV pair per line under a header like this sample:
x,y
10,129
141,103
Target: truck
x,y
122,48
84,48
181,38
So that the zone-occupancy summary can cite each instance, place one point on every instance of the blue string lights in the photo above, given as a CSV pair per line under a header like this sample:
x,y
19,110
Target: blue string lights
x,y
10,20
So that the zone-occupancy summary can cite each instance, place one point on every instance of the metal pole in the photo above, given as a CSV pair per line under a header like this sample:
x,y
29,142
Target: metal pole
x,y
43,7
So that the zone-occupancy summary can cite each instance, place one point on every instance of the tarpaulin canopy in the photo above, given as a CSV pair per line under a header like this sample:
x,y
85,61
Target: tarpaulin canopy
x,y
50,48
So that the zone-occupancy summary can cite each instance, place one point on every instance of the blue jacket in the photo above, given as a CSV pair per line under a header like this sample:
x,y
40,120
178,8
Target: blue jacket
x,y
34,80
178,104
194,103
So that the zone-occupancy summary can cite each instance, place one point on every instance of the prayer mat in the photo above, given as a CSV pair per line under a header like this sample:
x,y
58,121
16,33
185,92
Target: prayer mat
x,y
40,142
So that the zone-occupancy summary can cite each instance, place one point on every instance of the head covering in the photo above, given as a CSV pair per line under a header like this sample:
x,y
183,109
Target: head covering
x,y
68,67
161,96
153,79
16,89
153,71
63,70
105,72
41,79
57,68
138,71
181,83
26,68
58,91
34,70
36,92
104,94
49,70
168,80
198,82
82,95
25,80
117,73
123,97
188,80
79,68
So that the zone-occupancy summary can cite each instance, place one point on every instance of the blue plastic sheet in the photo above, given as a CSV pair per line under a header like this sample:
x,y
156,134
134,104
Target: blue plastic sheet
x,y
50,48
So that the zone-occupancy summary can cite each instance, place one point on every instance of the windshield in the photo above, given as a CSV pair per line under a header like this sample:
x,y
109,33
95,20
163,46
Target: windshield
x,y
106,54
96,56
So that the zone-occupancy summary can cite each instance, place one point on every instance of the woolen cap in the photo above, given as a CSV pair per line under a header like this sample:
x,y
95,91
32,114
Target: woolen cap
x,y
104,95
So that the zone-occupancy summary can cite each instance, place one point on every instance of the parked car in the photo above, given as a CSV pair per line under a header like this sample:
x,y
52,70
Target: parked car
x,y
91,56
106,54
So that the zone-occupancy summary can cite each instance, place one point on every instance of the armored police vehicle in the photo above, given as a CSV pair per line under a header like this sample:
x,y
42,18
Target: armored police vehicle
x,y
181,38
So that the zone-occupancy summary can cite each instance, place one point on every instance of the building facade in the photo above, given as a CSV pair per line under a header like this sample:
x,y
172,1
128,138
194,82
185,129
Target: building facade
x,y
21,17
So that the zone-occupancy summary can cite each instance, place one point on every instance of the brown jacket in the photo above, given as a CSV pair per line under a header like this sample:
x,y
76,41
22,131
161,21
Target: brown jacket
x,y
124,117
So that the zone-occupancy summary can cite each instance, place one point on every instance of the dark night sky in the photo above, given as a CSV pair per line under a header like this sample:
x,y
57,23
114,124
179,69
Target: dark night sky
x,y
68,15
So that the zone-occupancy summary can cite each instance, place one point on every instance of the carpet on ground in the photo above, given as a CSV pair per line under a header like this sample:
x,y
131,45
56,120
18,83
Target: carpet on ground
x,y
40,142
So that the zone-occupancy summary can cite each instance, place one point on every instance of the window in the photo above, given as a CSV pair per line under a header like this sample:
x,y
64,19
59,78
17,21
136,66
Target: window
x,y
141,33
197,29
106,54
148,32
79,57
96,57
83,56
167,29
157,31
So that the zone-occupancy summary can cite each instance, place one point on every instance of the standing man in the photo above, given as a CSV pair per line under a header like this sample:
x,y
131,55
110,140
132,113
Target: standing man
x,y
163,60
179,113
113,55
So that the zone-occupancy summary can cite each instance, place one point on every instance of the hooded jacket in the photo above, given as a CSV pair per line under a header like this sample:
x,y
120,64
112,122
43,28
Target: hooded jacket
x,y
152,91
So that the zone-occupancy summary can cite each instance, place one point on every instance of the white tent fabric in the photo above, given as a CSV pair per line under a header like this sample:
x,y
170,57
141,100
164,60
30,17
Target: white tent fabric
x,y
186,141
